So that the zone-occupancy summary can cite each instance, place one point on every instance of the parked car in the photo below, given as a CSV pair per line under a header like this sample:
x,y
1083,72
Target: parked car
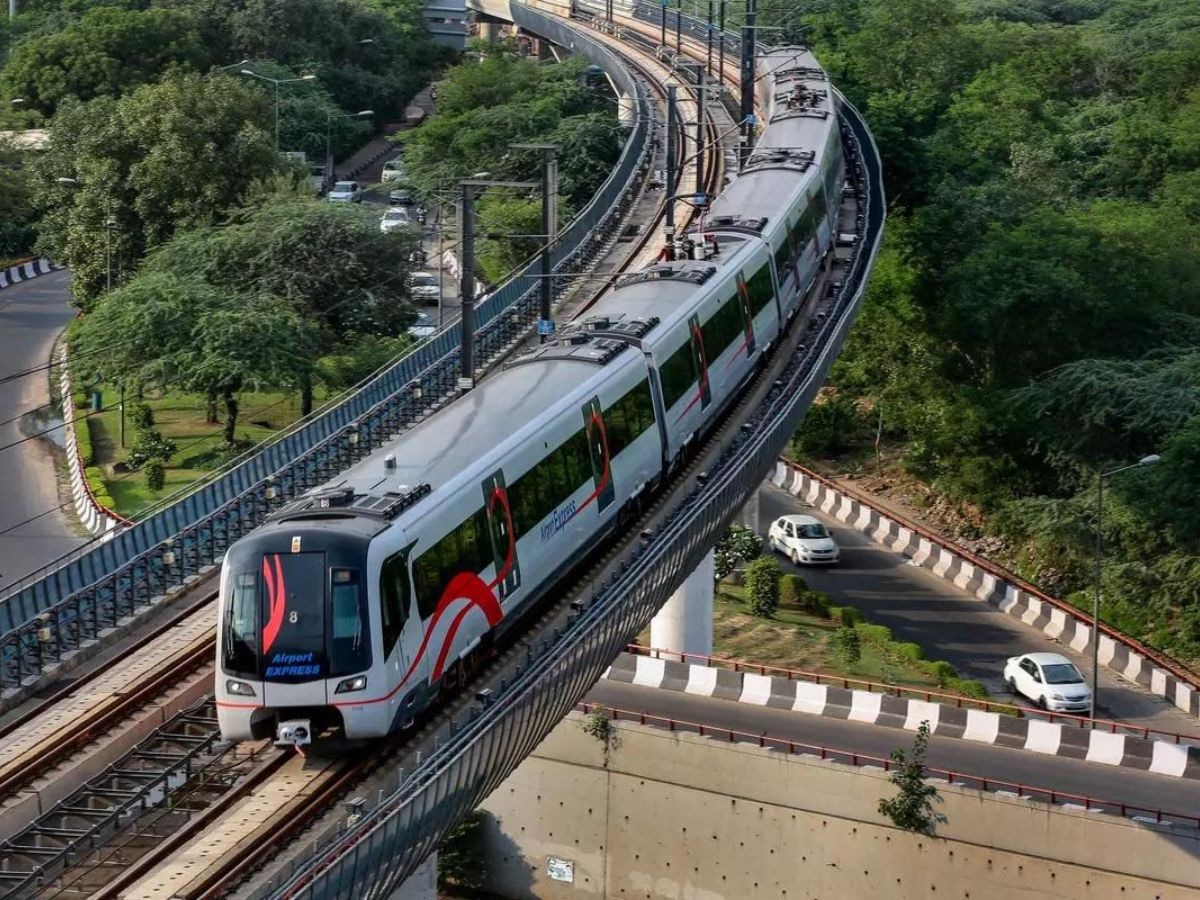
x,y
1050,680
803,540
424,287
401,196
346,192
393,170
424,327
394,220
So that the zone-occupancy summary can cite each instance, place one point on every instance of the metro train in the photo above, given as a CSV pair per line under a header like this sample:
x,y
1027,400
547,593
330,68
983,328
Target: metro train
x,y
356,604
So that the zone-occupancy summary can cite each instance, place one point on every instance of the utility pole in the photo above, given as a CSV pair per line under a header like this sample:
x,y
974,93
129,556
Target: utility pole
x,y
747,79
549,228
701,74
12,9
721,45
466,280
663,36
709,33
678,28
671,174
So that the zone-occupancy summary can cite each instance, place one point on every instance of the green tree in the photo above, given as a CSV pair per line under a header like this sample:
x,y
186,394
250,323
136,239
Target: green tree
x,y
461,861
739,544
848,647
16,199
762,586
912,807
167,156
104,53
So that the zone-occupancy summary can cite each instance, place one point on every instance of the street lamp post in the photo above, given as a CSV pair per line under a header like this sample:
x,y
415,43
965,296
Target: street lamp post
x,y
277,82
1144,461
549,226
329,117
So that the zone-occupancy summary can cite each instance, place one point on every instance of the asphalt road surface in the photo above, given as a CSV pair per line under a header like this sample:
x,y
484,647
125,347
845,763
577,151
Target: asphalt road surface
x,y
32,314
1023,767
950,624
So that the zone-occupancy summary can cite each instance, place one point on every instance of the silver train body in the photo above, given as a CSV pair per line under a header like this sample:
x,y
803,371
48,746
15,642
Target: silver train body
x,y
354,605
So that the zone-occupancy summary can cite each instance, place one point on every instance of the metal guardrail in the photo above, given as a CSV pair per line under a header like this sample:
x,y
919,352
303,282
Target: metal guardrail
x,y
854,758
402,829
56,610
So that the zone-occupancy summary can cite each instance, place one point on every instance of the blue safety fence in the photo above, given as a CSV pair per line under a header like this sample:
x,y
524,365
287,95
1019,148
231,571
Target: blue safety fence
x,y
54,611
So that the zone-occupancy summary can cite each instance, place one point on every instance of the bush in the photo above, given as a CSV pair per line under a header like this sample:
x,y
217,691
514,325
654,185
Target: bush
x,y
156,475
739,545
151,445
762,586
968,687
817,603
141,416
83,436
848,647
846,616
792,590
828,427
910,652
879,635
942,672
95,482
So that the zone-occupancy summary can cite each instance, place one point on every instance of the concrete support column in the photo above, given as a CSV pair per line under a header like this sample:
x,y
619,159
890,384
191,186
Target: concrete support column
x,y
626,110
489,31
421,884
685,622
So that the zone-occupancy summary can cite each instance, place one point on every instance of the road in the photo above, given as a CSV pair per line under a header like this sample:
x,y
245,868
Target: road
x,y
1074,776
950,624
32,314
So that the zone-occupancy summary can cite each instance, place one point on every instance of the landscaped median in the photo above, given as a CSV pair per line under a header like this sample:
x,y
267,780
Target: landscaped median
x,y
170,441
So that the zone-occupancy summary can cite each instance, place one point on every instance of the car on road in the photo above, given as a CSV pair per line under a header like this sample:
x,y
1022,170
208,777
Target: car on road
x,y
803,540
393,170
423,327
401,196
394,220
1050,680
424,287
346,192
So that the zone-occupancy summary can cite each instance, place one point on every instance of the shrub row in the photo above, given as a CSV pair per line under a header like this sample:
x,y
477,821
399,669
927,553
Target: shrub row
x,y
95,481
939,670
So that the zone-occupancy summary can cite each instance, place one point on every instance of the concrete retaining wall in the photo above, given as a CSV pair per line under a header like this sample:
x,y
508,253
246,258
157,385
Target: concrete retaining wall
x,y
662,814
24,271
95,518
1033,734
949,562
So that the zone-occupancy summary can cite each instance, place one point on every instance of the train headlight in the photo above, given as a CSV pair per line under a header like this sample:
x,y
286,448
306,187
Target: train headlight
x,y
239,688
350,685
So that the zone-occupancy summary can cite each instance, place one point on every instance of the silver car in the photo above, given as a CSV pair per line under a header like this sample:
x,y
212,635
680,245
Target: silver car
x,y
346,192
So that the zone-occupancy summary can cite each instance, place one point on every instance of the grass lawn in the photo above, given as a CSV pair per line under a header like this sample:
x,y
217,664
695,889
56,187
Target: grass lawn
x,y
180,418
798,640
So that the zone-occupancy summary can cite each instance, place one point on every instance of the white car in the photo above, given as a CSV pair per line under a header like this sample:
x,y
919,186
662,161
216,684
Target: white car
x,y
423,327
803,540
1050,680
424,287
393,170
346,192
394,220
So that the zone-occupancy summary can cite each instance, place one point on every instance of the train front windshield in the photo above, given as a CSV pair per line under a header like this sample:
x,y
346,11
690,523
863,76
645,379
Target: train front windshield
x,y
295,620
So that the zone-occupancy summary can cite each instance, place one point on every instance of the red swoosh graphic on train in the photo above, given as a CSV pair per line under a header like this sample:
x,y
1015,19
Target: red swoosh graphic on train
x,y
277,599
464,585
703,374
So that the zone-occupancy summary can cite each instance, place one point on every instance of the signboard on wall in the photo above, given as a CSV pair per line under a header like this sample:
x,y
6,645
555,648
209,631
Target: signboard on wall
x,y
560,869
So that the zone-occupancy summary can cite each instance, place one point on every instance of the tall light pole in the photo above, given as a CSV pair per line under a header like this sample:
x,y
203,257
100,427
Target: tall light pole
x,y
277,82
329,117
549,228
1144,461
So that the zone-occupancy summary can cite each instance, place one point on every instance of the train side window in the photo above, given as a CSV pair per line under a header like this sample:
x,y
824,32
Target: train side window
x,y
677,374
394,599
241,626
349,635
760,290
724,327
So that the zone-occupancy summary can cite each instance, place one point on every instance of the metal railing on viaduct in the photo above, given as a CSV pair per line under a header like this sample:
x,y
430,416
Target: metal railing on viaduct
x,y
51,613
389,842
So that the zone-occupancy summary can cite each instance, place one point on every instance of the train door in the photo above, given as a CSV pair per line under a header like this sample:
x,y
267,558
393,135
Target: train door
x,y
743,294
501,535
700,361
602,476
